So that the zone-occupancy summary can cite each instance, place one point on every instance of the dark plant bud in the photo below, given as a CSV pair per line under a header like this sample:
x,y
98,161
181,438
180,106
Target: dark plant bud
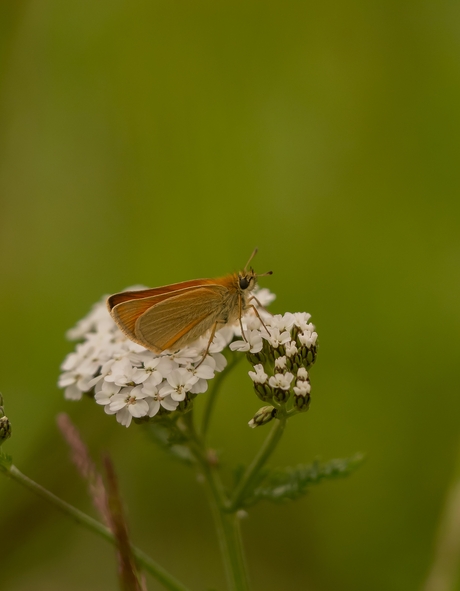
x,y
263,415
5,429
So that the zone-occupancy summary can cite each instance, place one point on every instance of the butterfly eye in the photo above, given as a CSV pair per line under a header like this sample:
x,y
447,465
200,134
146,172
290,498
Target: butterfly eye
x,y
244,282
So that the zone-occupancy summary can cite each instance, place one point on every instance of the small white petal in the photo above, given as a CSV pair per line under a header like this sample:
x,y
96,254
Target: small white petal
x,y
154,406
302,373
221,362
258,376
302,388
239,346
165,390
291,349
200,387
168,403
282,381
73,393
264,296
280,362
139,409
117,402
124,417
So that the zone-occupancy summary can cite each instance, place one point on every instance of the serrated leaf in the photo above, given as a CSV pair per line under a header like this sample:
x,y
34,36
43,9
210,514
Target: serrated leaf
x,y
287,484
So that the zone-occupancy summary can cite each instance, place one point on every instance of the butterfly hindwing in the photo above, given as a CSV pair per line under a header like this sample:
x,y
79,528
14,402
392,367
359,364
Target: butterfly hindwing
x,y
180,319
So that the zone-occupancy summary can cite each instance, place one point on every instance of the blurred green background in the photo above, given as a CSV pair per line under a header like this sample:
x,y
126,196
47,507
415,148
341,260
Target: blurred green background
x,y
152,142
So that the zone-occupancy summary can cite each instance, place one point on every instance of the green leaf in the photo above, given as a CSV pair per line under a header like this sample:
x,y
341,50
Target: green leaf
x,y
287,484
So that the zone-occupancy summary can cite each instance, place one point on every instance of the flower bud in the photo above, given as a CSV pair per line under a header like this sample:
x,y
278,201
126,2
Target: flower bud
x,y
263,415
280,363
264,392
302,374
280,351
281,384
255,358
301,403
307,343
258,376
281,396
302,391
5,429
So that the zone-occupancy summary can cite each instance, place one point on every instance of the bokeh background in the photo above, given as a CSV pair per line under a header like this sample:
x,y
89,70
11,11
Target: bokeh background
x,y
152,142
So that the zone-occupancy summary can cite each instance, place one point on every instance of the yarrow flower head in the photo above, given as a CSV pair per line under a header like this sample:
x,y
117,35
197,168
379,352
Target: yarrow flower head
x,y
132,382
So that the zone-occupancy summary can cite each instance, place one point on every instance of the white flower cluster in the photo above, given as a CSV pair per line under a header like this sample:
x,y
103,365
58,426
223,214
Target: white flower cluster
x,y
278,331
282,380
131,381
285,347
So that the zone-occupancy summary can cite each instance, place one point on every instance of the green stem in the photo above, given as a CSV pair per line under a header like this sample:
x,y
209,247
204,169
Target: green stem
x,y
231,547
95,526
257,463
227,524
211,399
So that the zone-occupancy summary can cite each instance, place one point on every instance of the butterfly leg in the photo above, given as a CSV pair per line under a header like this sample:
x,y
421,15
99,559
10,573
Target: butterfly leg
x,y
253,297
258,315
240,314
211,338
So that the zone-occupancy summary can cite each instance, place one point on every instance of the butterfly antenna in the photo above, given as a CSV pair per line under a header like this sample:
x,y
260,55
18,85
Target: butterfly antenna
x,y
250,259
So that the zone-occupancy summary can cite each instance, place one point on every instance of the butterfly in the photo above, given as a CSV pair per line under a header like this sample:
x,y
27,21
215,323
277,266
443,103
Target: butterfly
x,y
173,316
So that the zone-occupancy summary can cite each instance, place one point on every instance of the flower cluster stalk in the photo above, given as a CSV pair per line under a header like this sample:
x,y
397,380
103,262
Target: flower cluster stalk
x,y
225,508
212,398
258,462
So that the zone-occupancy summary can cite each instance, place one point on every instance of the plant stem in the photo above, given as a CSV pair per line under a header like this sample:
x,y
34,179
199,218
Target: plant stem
x,y
227,524
95,526
211,399
231,547
257,463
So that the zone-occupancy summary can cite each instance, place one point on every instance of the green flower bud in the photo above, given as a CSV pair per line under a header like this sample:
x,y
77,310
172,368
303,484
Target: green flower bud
x,y
301,403
5,429
302,391
263,415
263,391
255,358
281,384
298,360
280,395
268,352
311,355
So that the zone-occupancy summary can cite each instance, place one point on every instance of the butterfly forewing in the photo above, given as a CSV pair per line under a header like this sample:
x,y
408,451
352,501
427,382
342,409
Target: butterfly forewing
x,y
128,311
180,319
126,296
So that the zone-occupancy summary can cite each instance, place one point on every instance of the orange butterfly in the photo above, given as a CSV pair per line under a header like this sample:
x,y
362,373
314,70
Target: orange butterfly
x,y
175,315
